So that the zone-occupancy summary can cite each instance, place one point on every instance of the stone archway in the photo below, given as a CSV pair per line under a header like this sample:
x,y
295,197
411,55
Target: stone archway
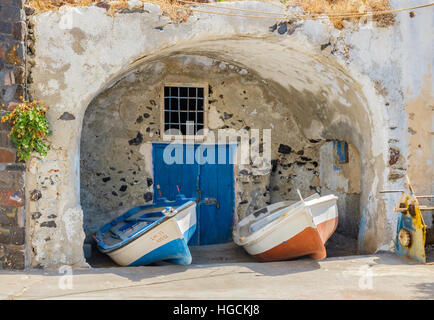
x,y
326,100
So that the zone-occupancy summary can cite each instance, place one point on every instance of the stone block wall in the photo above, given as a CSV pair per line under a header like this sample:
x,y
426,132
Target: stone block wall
x,y
12,87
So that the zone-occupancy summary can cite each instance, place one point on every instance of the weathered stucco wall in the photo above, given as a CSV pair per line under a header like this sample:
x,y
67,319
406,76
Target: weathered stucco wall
x,y
342,180
421,141
349,85
417,94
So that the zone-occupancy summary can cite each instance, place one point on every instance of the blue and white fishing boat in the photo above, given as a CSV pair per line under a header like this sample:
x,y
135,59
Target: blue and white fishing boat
x,y
150,233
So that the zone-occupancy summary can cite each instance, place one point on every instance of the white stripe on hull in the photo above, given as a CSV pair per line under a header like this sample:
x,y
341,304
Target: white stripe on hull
x,y
290,224
323,210
151,240
164,233
186,218
286,228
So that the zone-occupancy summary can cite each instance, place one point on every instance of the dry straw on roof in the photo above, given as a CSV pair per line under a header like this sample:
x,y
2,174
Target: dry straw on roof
x,y
178,10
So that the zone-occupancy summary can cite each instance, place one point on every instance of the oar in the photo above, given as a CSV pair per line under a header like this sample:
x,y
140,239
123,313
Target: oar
x,y
299,194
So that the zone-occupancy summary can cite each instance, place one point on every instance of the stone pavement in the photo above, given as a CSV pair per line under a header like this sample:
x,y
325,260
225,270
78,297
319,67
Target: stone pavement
x,y
379,276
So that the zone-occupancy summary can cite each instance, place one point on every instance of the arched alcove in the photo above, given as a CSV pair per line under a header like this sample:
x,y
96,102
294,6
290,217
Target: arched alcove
x,y
304,99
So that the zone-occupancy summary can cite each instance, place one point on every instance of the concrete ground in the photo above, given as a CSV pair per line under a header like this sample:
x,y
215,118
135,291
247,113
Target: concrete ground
x,y
379,276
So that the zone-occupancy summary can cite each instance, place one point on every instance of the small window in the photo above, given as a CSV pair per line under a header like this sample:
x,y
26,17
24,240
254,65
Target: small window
x,y
184,108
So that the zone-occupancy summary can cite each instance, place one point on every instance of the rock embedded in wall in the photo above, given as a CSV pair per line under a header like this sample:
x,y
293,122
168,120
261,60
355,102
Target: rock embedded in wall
x,y
67,116
393,156
294,169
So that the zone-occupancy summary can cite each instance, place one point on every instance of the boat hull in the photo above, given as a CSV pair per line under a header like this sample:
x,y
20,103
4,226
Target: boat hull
x,y
301,231
307,242
165,241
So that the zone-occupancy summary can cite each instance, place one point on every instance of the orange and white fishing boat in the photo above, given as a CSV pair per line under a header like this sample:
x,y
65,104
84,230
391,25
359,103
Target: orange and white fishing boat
x,y
289,229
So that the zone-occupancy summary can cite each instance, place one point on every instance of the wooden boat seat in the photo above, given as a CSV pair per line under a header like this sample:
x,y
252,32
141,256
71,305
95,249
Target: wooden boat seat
x,y
151,210
142,219
273,212
271,215
138,216
123,231
117,234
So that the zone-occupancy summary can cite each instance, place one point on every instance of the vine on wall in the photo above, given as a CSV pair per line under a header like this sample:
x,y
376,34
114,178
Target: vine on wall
x,y
29,127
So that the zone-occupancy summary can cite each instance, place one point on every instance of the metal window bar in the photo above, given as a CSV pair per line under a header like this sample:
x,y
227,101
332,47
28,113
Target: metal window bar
x,y
190,114
179,109
195,115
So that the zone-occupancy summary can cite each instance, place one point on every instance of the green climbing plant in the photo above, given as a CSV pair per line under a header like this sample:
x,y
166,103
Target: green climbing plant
x,y
29,127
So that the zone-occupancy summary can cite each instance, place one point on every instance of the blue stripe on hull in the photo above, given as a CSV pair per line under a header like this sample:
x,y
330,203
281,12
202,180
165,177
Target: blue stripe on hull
x,y
189,233
175,251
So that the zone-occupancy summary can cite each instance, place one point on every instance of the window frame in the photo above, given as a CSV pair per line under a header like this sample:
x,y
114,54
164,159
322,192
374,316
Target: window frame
x,y
204,86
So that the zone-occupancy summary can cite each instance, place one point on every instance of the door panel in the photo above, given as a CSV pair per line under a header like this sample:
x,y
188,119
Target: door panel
x,y
168,176
217,182
212,184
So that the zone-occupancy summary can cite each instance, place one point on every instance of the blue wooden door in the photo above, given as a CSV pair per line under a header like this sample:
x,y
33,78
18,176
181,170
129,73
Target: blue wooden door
x,y
202,172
